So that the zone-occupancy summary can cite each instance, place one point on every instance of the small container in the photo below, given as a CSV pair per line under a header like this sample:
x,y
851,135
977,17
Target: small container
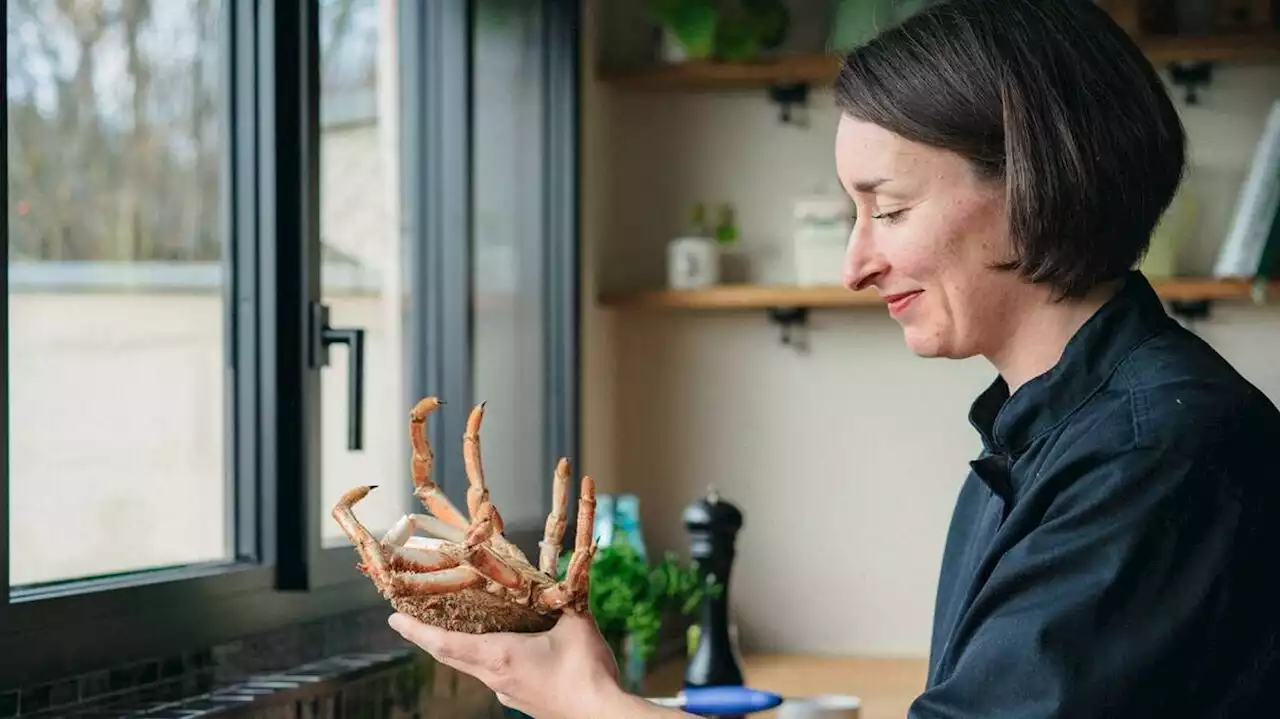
x,y
627,523
823,706
692,263
822,229
603,531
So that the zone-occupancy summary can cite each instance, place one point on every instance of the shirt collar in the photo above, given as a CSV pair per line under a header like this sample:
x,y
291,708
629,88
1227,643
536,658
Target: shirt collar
x,y
1008,424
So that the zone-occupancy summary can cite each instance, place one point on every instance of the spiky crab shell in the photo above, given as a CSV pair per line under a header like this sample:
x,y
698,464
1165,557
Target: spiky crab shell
x,y
474,610
483,605
465,575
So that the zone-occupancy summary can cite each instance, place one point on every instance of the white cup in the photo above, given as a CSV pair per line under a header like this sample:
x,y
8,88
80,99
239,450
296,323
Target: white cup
x,y
823,706
692,262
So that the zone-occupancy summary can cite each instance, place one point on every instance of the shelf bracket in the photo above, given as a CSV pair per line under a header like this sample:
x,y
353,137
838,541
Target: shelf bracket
x,y
787,96
789,319
1191,75
1189,310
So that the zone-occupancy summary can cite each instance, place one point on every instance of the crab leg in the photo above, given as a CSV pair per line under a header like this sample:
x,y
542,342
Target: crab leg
x,y
374,563
415,560
432,543
553,535
477,492
573,590
424,489
399,533
445,581
485,561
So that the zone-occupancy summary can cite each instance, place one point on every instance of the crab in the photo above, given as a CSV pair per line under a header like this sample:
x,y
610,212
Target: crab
x,y
465,575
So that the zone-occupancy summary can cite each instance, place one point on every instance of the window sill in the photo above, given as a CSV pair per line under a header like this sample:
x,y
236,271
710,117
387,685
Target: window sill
x,y
393,683
52,639
350,664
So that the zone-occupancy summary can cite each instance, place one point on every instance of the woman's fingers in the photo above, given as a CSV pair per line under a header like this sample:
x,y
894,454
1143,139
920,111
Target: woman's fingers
x,y
424,635
487,657
457,649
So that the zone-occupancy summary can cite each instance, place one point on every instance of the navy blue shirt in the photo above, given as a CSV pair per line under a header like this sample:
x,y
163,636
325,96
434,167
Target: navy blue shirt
x,y
1115,550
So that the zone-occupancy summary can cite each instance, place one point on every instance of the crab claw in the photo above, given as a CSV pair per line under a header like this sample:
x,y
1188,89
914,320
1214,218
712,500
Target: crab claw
x,y
478,492
573,591
553,533
373,563
424,489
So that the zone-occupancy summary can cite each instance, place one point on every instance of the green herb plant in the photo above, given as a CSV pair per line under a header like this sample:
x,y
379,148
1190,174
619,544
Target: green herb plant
x,y
628,598
726,231
723,30
692,22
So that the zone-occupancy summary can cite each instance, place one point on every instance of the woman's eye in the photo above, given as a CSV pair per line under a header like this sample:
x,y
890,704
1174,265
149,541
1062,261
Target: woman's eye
x,y
890,218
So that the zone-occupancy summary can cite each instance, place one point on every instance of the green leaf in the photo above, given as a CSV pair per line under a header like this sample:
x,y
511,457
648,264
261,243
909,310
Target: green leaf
x,y
628,597
692,22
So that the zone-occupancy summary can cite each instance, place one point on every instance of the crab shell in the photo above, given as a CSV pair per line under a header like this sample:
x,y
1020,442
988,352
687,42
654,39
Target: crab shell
x,y
464,575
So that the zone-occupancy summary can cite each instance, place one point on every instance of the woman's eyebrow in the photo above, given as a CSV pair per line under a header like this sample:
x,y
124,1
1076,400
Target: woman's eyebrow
x,y
869,185
876,184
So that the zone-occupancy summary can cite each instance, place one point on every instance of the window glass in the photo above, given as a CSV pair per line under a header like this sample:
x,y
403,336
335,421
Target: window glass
x,y
508,280
362,266
117,336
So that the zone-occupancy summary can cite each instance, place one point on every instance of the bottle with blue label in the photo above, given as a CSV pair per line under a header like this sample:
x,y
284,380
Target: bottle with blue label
x,y
627,523
627,530
605,523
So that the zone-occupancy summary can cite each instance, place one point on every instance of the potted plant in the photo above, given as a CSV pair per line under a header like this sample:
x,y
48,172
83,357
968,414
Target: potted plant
x,y
688,28
718,29
628,600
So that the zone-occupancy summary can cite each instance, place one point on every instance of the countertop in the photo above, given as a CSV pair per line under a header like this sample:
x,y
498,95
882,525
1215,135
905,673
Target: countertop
x,y
886,686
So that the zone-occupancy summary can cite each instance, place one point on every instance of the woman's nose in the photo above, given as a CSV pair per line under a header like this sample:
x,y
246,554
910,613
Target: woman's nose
x,y
861,262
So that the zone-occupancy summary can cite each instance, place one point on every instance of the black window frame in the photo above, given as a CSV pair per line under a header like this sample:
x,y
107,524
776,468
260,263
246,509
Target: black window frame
x,y
281,573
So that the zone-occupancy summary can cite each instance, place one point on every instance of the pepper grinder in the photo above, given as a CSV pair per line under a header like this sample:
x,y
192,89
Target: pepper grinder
x,y
713,526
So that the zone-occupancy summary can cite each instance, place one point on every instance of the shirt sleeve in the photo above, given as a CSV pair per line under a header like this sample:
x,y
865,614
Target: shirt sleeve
x,y
1100,610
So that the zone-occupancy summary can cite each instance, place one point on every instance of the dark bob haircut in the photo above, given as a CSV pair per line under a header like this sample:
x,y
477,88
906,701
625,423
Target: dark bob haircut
x,y
1050,97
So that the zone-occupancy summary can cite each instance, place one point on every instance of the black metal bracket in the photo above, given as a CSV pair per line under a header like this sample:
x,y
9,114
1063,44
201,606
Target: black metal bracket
x,y
1190,76
1189,310
787,96
789,319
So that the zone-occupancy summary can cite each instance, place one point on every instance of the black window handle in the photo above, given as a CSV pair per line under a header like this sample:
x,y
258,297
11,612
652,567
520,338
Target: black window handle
x,y
322,335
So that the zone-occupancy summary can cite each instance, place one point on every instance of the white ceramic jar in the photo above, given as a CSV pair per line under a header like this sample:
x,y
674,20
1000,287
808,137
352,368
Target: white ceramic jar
x,y
820,235
692,262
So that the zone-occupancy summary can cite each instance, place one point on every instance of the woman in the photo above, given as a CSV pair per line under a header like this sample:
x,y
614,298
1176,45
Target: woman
x,y
1114,550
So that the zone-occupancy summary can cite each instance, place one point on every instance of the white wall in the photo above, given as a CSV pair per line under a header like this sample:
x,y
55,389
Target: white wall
x,y
845,462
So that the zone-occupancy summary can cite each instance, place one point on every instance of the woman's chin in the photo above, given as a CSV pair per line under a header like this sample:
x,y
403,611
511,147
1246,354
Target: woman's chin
x,y
924,342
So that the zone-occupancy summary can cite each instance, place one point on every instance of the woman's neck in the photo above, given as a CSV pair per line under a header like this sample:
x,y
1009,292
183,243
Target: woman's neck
x,y
1039,333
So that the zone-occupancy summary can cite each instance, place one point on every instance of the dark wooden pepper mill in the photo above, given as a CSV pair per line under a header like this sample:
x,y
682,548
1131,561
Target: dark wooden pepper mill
x,y
713,526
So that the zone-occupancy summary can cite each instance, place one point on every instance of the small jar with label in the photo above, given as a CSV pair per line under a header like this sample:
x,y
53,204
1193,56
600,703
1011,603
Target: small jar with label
x,y
822,229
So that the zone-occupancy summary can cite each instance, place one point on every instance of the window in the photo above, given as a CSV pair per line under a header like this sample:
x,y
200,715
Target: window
x,y
508,284
117,318
362,263
243,239
500,308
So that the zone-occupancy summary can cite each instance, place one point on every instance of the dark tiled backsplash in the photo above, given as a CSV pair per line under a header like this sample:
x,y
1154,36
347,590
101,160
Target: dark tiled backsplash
x,y
345,666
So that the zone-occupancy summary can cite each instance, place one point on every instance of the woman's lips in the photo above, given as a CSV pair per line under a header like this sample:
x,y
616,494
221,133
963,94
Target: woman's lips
x,y
898,302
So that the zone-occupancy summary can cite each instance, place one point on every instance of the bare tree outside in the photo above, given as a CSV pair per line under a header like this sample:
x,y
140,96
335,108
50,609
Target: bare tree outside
x,y
114,130
116,123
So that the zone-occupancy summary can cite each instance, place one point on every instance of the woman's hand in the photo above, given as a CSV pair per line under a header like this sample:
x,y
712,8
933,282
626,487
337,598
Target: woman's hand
x,y
566,672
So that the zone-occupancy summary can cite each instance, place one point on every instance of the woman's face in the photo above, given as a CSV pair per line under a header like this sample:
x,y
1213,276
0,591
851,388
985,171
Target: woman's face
x,y
927,231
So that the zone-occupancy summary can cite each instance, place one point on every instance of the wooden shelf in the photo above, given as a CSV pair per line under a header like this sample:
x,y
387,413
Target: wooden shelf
x,y
743,297
1254,48
821,69
710,75
749,297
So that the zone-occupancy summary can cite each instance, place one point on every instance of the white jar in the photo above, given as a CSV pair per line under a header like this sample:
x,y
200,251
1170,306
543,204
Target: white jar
x,y
821,233
692,262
